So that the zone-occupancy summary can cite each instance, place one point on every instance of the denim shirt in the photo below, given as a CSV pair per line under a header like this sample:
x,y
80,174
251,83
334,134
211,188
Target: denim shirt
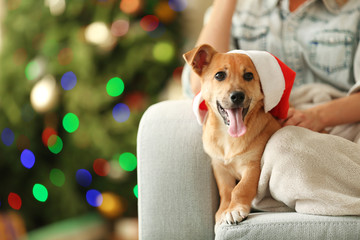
x,y
319,40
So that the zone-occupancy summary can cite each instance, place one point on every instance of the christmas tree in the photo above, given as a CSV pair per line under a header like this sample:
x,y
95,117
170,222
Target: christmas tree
x,y
75,78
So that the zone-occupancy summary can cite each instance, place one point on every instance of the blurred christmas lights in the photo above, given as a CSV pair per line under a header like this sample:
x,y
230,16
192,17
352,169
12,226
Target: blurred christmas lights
x,y
128,161
22,143
119,28
112,205
178,5
98,33
70,122
83,177
7,136
14,201
55,144
164,12
46,134
27,158
135,190
65,56
115,87
163,51
44,94
35,69
56,7
101,167
57,177
149,23
94,197
40,192
68,81
130,6
121,112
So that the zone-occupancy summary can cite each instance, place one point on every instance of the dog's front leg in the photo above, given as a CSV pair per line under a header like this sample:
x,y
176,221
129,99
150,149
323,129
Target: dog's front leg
x,y
226,183
243,194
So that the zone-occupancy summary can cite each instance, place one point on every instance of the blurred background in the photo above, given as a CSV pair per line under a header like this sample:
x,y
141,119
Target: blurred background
x,y
75,79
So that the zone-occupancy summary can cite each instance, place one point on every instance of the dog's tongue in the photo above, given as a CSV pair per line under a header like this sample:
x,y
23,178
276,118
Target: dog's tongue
x,y
237,127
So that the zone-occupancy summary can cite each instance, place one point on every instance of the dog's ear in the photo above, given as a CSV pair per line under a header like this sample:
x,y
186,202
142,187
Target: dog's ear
x,y
199,57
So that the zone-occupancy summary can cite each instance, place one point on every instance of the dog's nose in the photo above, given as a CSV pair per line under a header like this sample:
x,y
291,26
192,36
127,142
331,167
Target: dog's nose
x,y
237,97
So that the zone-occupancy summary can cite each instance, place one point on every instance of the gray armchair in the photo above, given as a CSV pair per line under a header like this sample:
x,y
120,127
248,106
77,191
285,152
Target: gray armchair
x,y
178,196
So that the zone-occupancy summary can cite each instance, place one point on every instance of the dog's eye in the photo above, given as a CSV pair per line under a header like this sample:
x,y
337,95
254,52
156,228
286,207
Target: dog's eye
x,y
220,76
248,76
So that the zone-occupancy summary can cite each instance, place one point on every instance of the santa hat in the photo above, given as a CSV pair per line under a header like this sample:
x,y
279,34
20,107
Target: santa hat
x,y
276,82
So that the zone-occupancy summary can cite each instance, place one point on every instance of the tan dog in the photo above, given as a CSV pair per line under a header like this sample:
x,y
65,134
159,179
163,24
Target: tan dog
x,y
236,129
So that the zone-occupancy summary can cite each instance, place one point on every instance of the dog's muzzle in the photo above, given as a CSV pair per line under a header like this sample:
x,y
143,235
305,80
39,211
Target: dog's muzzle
x,y
234,115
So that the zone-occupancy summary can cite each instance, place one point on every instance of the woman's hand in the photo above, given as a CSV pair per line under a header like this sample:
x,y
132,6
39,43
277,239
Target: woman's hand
x,y
308,118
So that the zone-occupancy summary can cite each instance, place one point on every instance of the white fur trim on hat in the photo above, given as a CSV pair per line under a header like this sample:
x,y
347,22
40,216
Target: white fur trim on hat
x,y
271,76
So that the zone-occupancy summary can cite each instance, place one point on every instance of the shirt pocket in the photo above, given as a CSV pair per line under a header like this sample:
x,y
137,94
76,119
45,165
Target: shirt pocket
x,y
331,51
250,37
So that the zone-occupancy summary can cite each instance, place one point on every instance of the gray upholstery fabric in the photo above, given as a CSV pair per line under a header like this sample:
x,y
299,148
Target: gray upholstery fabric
x,y
178,197
177,191
292,226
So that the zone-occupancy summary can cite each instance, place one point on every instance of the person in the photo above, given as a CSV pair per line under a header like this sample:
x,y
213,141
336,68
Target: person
x,y
302,169
317,39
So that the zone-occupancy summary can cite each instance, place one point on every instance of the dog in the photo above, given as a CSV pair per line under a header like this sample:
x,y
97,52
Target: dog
x,y
236,127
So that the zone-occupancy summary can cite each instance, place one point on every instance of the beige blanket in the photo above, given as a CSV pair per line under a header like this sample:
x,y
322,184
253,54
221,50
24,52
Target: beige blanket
x,y
311,172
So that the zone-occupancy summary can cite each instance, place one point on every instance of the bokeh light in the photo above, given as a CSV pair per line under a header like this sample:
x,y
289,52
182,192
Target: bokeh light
x,y
68,80
121,112
136,101
14,201
7,136
97,33
56,7
164,12
130,6
178,5
101,167
40,192
128,161
149,23
22,142
119,28
136,191
55,144
163,51
83,177
70,122
112,205
33,70
57,177
65,56
94,197
115,87
20,56
43,96
46,134
27,158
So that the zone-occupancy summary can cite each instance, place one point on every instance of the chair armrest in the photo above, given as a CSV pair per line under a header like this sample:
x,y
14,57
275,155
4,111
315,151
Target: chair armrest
x,y
177,191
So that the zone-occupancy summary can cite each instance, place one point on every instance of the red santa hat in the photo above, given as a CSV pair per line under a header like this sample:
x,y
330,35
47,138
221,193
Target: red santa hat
x,y
276,82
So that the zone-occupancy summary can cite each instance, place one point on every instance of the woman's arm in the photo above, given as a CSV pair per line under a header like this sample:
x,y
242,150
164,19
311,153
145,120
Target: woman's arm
x,y
336,112
216,32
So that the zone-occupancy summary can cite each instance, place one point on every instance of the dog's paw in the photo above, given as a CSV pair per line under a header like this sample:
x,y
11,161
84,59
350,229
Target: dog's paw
x,y
235,215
